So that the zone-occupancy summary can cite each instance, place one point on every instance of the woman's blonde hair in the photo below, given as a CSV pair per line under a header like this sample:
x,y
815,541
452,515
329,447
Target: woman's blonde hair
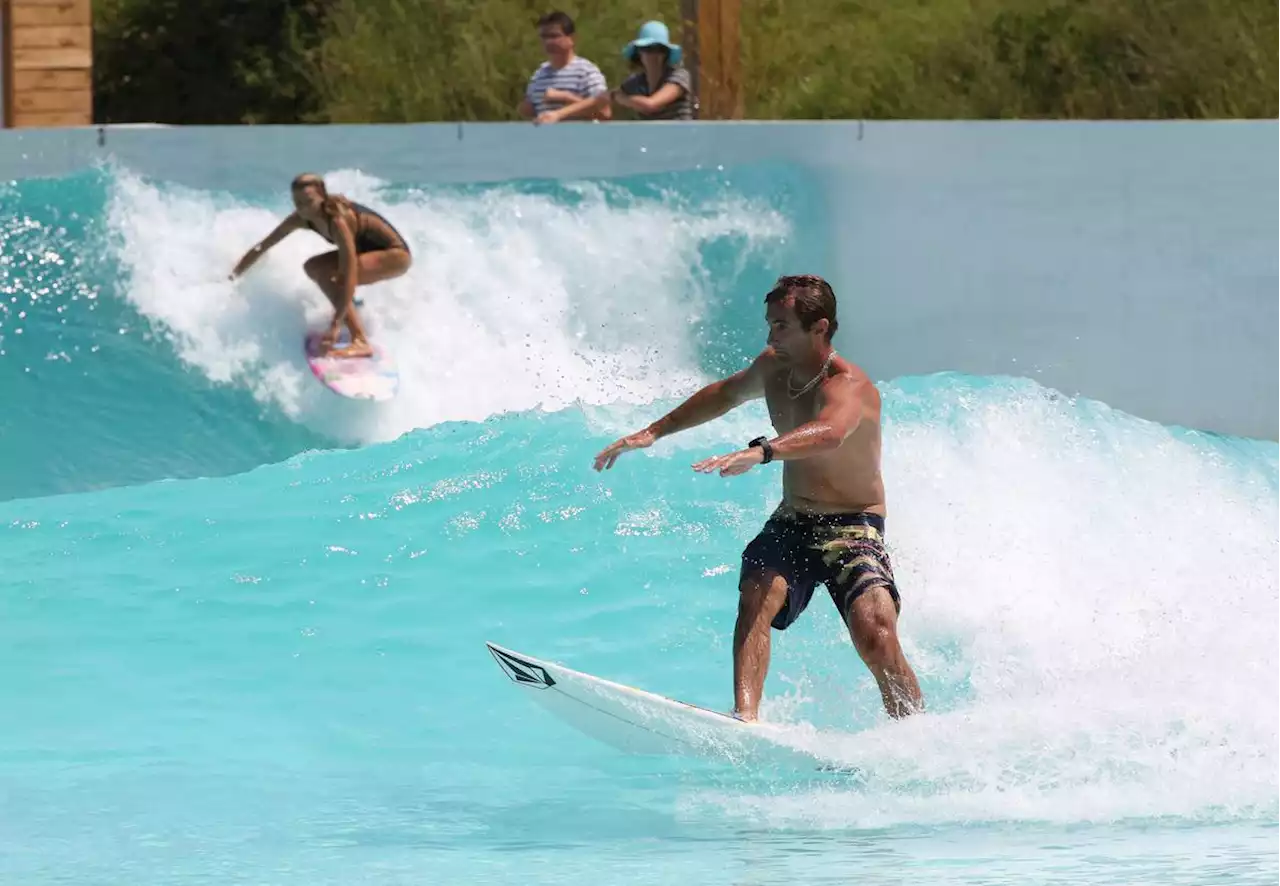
x,y
331,205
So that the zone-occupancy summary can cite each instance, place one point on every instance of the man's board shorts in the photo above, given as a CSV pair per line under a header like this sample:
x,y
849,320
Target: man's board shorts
x,y
845,552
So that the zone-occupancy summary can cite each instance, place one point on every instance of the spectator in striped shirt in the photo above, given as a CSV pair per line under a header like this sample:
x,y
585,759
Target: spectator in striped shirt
x,y
565,86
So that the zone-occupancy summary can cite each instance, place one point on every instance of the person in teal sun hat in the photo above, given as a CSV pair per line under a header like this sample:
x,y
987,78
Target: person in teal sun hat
x,y
660,88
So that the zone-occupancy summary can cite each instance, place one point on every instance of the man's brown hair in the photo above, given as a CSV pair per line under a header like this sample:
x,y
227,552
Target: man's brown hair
x,y
814,299
557,17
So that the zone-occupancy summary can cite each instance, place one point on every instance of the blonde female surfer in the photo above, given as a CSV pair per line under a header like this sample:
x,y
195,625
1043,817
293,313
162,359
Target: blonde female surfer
x,y
369,250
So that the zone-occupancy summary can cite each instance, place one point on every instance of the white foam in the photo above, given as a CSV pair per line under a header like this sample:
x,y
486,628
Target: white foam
x,y
515,301
1093,600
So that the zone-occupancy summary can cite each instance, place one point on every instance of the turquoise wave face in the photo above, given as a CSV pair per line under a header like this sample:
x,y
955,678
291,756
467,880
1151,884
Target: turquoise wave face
x,y
271,661
95,395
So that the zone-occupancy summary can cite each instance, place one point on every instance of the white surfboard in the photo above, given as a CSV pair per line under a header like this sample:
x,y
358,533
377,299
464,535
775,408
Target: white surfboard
x,y
639,722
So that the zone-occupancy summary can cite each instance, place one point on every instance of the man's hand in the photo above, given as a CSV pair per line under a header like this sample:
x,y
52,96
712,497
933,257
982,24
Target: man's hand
x,y
547,117
639,440
732,464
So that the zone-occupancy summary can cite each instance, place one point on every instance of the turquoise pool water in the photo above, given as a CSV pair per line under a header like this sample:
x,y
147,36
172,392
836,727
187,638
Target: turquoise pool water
x,y
243,622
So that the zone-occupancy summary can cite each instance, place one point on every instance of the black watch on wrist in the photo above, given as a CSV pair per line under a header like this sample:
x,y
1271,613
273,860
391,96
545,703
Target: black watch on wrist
x,y
763,443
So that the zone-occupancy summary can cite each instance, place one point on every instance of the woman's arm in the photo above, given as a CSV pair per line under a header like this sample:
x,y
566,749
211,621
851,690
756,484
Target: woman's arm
x,y
282,230
649,104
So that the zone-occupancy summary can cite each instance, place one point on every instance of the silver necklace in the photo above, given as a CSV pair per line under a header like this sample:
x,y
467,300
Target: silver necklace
x,y
793,393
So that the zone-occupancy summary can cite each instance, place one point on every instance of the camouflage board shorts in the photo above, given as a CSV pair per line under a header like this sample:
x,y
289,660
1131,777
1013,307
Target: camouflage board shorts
x,y
845,552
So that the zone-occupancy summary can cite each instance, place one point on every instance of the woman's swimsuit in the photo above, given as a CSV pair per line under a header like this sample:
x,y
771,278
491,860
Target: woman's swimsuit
x,y
370,238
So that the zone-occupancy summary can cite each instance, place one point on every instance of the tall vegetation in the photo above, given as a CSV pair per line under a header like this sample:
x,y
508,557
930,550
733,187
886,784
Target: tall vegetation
x,y
206,61
222,61
392,60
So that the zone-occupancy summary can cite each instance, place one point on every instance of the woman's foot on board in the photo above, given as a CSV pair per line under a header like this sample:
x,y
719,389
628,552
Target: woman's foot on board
x,y
357,348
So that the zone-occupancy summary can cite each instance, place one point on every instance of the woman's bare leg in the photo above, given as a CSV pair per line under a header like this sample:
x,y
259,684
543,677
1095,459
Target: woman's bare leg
x,y
373,267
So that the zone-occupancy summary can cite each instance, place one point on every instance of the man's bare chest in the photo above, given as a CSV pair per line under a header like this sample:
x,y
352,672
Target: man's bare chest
x,y
786,413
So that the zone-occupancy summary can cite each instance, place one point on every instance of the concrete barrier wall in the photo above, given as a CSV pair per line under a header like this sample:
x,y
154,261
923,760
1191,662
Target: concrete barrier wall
x,y
1135,263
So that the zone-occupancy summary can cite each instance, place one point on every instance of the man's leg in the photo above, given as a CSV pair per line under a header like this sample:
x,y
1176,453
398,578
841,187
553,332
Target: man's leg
x,y
873,626
761,595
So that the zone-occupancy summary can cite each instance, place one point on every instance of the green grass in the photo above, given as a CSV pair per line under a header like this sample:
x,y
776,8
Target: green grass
x,y
348,61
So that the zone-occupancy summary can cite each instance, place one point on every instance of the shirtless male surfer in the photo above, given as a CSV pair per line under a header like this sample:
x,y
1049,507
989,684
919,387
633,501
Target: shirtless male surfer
x,y
829,526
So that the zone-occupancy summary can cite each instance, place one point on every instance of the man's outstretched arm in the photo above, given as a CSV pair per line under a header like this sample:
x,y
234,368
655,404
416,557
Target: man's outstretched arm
x,y
839,413
711,402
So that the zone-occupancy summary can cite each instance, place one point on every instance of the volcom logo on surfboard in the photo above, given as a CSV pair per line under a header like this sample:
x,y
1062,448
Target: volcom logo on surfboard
x,y
522,671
